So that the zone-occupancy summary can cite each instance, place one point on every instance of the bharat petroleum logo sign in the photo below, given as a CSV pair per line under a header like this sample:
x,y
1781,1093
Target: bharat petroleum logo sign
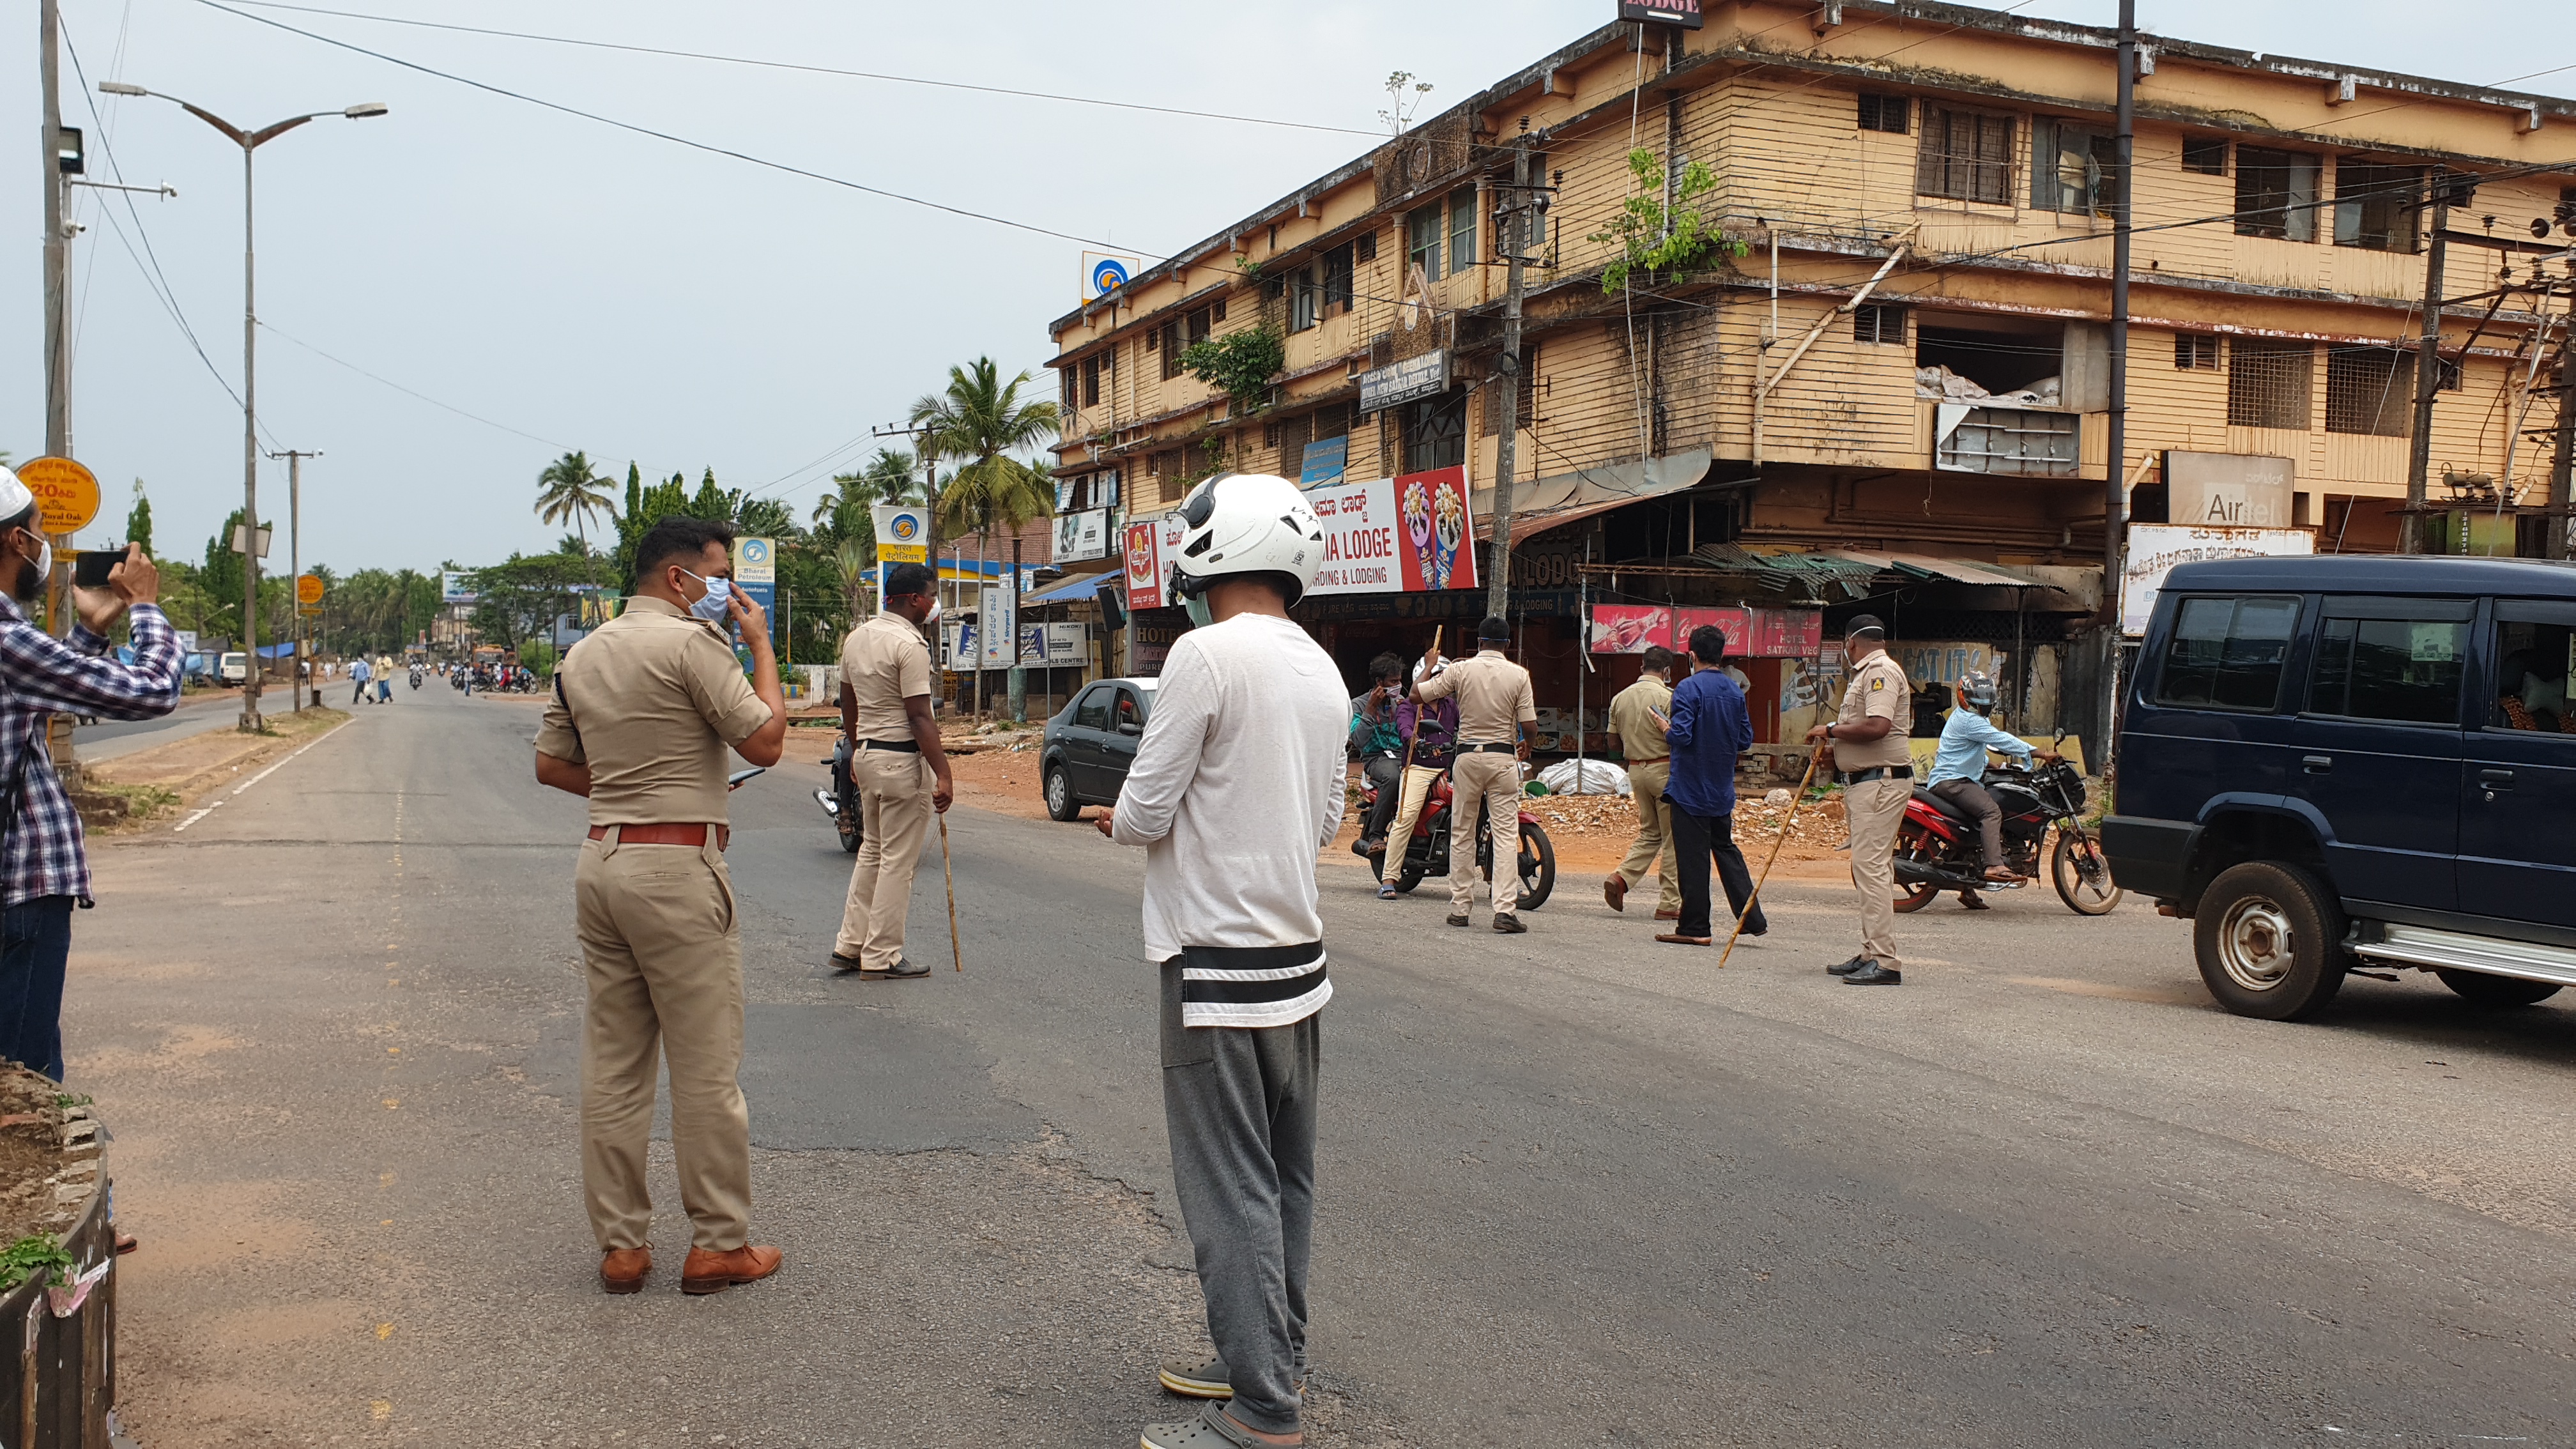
x,y
906,527
755,551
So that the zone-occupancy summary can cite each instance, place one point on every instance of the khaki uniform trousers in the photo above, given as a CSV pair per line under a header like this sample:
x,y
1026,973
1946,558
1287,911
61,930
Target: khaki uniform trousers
x,y
664,964
1874,808
894,811
1653,849
1494,780
1415,793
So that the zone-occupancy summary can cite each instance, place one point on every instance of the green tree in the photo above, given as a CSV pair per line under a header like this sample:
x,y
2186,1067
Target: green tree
x,y
1653,237
568,491
981,420
138,523
521,598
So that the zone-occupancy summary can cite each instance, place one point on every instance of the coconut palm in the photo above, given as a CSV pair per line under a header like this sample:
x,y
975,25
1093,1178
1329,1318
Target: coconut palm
x,y
851,561
979,420
568,491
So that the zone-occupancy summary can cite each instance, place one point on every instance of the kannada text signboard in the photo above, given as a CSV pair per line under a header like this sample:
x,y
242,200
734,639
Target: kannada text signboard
x,y
1402,382
2154,549
66,493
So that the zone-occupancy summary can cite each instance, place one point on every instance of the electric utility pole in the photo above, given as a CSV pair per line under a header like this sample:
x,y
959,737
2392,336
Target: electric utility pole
x,y
2115,493
2564,461
2428,372
295,565
1513,226
58,243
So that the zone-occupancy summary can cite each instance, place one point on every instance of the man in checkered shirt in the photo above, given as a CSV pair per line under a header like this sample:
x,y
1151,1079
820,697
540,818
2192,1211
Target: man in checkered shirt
x,y
44,869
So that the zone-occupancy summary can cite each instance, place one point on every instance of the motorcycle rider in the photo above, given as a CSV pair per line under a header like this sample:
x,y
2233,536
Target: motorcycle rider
x,y
1378,741
1431,732
1959,767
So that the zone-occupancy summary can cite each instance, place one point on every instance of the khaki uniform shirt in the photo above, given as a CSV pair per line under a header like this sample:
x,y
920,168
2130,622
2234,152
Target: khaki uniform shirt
x,y
1878,690
883,663
650,701
1640,738
1493,697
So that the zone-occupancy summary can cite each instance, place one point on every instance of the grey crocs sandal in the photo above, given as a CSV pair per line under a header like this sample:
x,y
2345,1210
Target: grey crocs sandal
x,y
1210,1430
1206,1378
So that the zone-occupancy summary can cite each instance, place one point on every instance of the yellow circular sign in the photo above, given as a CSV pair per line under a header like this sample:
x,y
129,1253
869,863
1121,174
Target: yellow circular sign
x,y
66,493
308,589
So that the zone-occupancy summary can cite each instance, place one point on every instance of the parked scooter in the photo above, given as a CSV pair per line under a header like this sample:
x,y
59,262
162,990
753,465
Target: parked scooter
x,y
1937,845
841,800
1426,852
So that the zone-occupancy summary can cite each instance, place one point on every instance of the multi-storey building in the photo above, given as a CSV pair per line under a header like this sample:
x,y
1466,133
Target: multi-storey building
x,y
1887,379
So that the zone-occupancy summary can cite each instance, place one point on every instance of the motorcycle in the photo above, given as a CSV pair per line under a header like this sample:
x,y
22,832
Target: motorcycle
x,y
415,676
841,800
1426,852
1938,849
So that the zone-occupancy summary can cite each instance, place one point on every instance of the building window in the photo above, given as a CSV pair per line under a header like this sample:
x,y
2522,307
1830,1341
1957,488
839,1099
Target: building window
x,y
2073,169
1072,389
1880,323
1891,114
1366,247
2270,382
2017,442
1332,421
1337,279
2195,352
1965,155
1422,239
1091,381
2276,194
1170,333
2446,375
2375,206
1435,432
2205,154
1305,298
1462,229
2370,390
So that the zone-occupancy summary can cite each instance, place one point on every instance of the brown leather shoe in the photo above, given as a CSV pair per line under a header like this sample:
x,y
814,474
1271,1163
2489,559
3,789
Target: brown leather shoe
x,y
708,1271
1615,891
623,1270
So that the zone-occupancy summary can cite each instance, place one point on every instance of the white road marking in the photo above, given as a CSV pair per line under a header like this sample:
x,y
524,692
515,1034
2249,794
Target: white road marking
x,y
282,764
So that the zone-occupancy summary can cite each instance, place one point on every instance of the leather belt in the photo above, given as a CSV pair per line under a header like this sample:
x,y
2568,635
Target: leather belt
x,y
1650,760
901,747
1883,772
693,836
1488,749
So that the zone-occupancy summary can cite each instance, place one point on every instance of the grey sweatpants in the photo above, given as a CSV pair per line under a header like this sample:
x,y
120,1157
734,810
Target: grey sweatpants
x,y
1239,1104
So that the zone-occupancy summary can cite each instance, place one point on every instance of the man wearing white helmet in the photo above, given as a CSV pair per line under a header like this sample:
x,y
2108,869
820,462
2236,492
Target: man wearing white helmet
x,y
44,864
1237,784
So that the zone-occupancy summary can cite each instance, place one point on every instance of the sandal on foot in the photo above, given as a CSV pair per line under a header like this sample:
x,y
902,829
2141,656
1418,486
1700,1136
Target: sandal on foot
x,y
1197,1378
1212,1429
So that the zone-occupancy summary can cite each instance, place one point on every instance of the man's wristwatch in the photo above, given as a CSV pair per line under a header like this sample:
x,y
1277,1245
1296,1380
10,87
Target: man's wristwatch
x,y
1829,731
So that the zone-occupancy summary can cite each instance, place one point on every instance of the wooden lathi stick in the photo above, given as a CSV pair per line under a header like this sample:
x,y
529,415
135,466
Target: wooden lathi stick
x,y
956,953
1755,899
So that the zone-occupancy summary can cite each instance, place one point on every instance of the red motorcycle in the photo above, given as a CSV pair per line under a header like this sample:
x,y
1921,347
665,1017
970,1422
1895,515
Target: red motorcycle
x,y
1937,845
1426,852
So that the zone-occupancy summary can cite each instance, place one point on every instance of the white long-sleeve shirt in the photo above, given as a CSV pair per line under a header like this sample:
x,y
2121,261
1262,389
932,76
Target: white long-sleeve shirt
x,y
1237,784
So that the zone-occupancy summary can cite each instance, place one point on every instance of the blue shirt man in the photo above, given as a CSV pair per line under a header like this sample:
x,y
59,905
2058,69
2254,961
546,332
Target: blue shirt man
x,y
360,673
1709,729
1959,769
1965,738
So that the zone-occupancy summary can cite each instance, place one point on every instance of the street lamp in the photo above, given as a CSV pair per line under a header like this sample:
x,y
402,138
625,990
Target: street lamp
x,y
249,141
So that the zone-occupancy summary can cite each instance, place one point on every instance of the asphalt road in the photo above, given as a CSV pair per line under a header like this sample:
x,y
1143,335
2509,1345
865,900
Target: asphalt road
x,y
1575,1187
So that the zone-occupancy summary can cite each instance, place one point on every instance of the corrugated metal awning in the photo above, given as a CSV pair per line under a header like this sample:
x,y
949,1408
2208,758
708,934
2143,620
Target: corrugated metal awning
x,y
1924,566
1553,502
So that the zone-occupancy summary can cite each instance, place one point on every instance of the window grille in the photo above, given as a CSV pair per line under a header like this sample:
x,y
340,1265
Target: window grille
x,y
1435,432
1365,249
2270,382
2370,390
1879,323
2195,351
2017,442
1965,155
2276,194
1892,114
1290,436
2376,206
2205,154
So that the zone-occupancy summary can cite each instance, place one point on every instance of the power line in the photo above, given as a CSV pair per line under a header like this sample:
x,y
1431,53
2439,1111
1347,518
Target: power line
x,y
676,140
810,69
264,326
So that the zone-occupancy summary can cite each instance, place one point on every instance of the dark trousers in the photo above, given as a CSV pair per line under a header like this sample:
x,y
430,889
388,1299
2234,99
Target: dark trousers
x,y
1239,1104
1386,772
1697,839
360,697
1971,797
35,944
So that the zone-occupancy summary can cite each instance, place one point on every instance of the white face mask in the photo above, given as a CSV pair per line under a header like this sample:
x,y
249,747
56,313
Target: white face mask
x,y
711,605
933,616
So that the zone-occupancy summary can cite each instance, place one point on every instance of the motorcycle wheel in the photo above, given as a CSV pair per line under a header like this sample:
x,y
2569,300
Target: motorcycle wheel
x,y
2082,876
1913,844
1538,867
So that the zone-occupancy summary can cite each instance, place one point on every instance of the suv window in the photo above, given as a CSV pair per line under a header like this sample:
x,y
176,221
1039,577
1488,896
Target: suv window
x,y
2406,669
2227,653
1093,712
2531,676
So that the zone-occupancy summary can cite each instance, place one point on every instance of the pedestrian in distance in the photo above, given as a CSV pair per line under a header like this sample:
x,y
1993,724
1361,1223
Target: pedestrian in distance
x,y
1377,740
1639,715
1959,771
1430,733
44,858
1709,729
1865,746
360,672
1237,783
898,766
1494,703
642,711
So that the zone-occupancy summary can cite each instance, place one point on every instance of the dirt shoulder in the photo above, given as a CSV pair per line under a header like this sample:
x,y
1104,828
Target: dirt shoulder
x,y
167,779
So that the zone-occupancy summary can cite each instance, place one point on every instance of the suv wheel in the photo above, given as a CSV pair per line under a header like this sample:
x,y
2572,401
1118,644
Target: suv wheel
x,y
2479,989
1059,796
2270,941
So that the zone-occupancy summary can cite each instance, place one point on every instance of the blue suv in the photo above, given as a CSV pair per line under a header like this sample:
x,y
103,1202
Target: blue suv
x,y
2327,762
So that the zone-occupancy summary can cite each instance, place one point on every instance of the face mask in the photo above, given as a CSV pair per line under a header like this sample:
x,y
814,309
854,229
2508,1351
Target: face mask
x,y
710,606
933,616
1200,615
32,576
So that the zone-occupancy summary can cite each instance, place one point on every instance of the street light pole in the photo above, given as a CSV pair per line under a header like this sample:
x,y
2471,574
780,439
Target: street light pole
x,y
250,142
295,565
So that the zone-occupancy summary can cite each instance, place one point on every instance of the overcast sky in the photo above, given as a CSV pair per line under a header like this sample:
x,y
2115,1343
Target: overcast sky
x,y
585,287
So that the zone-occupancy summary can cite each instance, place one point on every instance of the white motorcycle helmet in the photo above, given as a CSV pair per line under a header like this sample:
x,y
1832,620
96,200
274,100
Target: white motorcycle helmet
x,y
1245,523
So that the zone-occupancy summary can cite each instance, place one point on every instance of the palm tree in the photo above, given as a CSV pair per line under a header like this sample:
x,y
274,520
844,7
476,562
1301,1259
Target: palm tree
x,y
568,490
851,561
980,420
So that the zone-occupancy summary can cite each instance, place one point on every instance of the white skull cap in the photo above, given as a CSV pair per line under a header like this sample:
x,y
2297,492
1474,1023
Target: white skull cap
x,y
14,497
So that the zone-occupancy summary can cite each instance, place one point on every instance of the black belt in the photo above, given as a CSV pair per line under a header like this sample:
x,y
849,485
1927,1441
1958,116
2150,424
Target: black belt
x,y
1488,749
1883,772
901,747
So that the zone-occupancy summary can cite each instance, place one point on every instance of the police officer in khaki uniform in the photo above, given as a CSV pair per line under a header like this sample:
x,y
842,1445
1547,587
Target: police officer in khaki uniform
x,y
1493,703
642,713
899,769
1639,715
1866,747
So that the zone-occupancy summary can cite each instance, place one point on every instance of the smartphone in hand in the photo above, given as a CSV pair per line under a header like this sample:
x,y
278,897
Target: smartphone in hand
x,y
91,569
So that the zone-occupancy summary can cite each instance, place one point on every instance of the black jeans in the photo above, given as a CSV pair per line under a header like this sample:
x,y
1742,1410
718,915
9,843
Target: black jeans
x,y
35,945
1387,773
1697,839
